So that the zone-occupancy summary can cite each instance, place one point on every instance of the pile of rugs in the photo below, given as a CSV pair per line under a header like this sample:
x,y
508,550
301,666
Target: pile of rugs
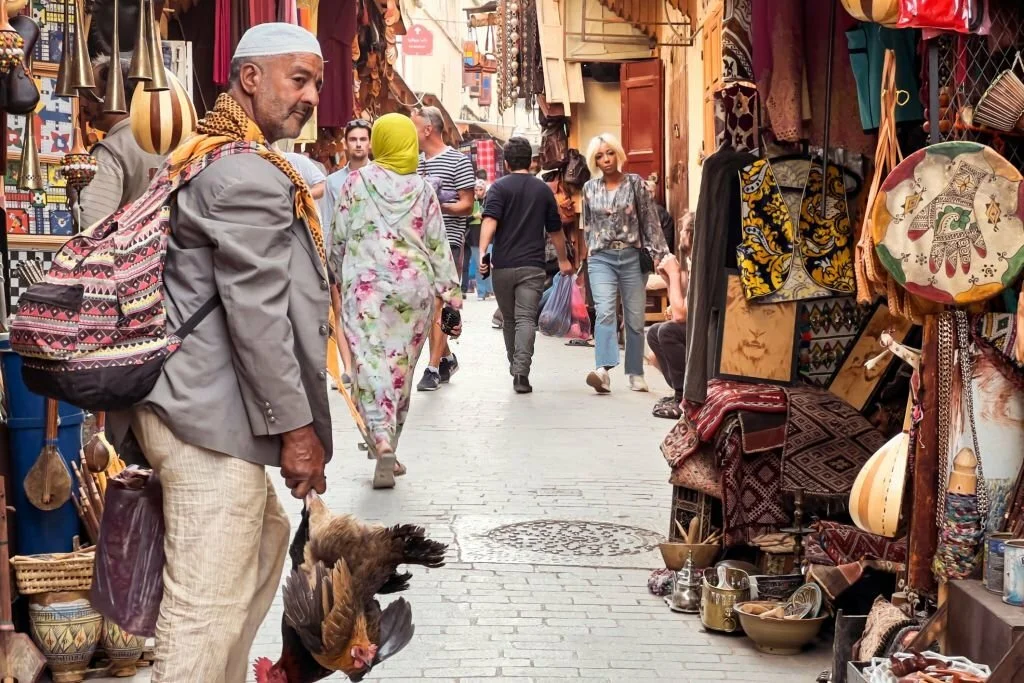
x,y
749,443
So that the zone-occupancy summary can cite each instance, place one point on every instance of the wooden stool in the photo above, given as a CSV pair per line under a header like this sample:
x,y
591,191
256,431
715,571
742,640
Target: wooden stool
x,y
656,309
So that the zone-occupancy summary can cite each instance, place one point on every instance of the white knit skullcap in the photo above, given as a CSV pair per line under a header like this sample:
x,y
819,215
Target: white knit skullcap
x,y
277,38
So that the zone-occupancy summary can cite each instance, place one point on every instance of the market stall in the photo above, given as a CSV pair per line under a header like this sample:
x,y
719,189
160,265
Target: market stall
x,y
853,370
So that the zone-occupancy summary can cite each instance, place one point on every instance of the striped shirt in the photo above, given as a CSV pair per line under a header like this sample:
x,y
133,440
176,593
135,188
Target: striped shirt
x,y
454,170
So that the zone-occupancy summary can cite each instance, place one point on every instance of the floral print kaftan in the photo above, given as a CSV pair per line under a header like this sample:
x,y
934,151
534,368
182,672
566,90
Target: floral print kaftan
x,y
392,259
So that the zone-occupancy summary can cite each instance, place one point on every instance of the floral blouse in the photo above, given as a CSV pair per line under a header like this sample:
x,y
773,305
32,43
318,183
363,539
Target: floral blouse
x,y
626,215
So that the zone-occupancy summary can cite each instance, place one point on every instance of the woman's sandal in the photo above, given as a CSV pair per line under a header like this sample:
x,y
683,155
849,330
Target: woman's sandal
x,y
667,408
384,471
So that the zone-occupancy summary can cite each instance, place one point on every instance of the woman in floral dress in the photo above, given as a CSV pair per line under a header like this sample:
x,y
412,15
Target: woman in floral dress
x,y
395,265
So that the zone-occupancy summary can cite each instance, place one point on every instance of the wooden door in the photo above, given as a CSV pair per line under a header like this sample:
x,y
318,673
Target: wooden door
x,y
711,56
643,119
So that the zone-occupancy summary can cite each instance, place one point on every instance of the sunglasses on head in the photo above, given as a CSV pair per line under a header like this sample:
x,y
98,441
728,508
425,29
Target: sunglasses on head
x,y
357,123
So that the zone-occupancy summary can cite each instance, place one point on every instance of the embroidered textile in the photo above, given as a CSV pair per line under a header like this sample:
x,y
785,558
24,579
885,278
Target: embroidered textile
x,y
827,329
737,45
844,543
785,259
700,423
827,443
699,473
835,581
826,237
751,492
738,117
947,222
765,252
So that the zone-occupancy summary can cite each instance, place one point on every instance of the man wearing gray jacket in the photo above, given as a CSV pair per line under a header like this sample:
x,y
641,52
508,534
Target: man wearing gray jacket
x,y
246,390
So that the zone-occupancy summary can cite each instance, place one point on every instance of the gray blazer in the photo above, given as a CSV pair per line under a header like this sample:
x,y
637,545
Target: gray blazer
x,y
256,366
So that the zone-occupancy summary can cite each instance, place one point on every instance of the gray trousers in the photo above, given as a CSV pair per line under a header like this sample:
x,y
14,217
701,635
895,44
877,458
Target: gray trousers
x,y
518,291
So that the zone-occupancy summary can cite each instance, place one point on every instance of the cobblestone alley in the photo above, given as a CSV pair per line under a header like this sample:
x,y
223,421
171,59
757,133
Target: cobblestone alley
x,y
498,476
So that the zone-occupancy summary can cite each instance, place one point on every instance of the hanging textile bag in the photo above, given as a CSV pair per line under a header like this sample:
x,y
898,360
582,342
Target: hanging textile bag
x,y
963,16
128,582
94,333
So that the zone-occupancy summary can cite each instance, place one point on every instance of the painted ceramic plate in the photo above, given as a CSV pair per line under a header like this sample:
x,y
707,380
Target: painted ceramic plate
x,y
949,223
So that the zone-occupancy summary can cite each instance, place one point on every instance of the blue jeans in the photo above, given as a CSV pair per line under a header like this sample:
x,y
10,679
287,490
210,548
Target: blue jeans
x,y
617,272
483,287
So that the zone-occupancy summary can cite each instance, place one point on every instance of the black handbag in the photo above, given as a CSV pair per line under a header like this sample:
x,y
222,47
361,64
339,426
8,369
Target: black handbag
x,y
646,259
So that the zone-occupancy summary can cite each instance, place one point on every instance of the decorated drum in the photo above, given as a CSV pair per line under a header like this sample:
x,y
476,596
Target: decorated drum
x,y
949,223
1013,573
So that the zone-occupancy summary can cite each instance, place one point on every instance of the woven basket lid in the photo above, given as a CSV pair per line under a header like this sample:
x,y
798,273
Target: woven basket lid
x,y
948,223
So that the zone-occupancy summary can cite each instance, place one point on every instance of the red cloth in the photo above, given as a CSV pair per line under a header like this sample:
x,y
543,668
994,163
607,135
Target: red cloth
x,y
700,424
336,29
222,43
486,158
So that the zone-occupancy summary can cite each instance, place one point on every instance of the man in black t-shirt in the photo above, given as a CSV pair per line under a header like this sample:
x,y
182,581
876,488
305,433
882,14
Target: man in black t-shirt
x,y
519,210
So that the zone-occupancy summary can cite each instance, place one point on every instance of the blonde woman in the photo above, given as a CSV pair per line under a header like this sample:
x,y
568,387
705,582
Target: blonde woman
x,y
619,219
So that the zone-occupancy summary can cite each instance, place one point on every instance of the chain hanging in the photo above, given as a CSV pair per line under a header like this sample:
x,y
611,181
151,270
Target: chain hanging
x,y
945,391
966,374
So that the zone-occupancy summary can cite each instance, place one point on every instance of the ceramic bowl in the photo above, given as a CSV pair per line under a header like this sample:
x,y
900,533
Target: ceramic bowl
x,y
675,554
776,636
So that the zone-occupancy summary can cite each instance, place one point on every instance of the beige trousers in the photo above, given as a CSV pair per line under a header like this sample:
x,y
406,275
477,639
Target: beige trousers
x,y
226,541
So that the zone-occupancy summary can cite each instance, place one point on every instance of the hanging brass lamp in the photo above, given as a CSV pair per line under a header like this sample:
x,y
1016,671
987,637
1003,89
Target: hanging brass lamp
x,y
64,71
30,176
141,67
81,76
156,52
114,100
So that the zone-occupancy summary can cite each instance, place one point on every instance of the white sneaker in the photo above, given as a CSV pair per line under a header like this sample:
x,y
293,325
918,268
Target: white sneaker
x,y
600,380
638,383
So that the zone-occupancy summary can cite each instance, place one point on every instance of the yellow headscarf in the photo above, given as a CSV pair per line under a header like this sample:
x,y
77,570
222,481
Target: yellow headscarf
x,y
395,144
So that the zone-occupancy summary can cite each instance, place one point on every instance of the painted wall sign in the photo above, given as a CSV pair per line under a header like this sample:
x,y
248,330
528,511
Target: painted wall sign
x,y
418,41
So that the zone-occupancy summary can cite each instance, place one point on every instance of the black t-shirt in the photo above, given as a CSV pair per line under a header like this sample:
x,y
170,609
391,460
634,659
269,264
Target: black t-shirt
x,y
525,209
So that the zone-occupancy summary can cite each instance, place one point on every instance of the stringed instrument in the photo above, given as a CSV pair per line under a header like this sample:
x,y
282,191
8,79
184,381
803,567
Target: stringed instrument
x,y
20,95
48,482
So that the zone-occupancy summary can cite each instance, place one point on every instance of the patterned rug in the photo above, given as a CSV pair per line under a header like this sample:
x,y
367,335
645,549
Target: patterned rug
x,y
843,544
827,443
700,423
751,493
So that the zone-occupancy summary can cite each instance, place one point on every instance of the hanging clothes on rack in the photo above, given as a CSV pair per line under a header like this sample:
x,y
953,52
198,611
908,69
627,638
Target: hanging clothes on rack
x,y
222,47
336,29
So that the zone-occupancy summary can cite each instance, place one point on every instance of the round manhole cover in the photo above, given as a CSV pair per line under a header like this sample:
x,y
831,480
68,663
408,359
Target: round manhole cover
x,y
563,537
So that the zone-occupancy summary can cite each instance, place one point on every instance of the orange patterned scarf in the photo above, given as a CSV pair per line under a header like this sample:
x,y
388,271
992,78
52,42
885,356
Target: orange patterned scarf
x,y
227,122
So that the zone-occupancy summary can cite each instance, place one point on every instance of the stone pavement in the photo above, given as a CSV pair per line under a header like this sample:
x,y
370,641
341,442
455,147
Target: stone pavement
x,y
488,473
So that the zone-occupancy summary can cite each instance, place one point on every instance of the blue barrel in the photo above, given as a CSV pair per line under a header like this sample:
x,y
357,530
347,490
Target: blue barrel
x,y
39,531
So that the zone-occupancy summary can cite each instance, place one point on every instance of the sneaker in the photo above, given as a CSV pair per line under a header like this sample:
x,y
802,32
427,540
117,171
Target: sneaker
x,y
521,384
431,381
600,380
448,368
638,383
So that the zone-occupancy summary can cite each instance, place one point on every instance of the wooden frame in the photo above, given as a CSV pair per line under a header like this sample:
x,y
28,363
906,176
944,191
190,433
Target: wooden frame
x,y
786,317
37,242
866,346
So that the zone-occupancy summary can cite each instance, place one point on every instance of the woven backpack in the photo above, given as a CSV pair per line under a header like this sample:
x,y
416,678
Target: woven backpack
x,y
93,333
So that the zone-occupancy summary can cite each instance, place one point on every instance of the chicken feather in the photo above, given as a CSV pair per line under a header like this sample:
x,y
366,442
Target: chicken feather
x,y
340,618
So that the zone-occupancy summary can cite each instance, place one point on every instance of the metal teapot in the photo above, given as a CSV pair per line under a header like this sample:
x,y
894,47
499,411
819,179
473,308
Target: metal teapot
x,y
685,596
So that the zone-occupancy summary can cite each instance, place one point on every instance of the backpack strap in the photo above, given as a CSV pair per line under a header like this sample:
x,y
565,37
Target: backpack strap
x,y
189,325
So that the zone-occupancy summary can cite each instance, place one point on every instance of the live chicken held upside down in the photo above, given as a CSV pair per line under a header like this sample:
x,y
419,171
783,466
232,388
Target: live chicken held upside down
x,y
332,621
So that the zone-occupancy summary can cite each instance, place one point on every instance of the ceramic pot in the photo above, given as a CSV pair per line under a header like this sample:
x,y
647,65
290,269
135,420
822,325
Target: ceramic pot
x,y
123,649
67,630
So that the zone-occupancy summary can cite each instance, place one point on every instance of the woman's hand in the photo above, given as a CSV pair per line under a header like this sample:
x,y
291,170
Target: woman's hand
x,y
668,266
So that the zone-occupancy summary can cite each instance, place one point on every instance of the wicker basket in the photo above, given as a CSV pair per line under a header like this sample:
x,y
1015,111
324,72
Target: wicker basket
x,y
53,573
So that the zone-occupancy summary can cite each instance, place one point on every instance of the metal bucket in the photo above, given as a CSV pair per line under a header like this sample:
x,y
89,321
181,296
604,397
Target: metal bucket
x,y
722,589
995,549
1013,572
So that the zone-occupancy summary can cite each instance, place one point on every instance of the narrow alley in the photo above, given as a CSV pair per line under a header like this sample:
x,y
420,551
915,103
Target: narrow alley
x,y
510,482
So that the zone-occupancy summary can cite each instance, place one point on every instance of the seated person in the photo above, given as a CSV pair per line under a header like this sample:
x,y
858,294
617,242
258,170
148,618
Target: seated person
x,y
667,340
